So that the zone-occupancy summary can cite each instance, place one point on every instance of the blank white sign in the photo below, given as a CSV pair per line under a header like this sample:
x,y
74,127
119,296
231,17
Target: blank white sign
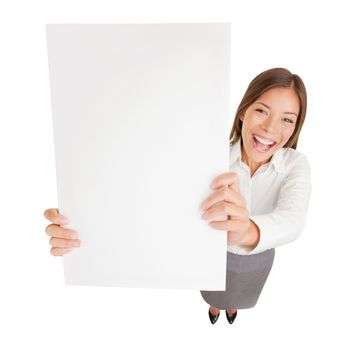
x,y
141,121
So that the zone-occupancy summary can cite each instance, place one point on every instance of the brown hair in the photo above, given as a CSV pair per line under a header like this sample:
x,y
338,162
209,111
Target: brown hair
x,y
275,77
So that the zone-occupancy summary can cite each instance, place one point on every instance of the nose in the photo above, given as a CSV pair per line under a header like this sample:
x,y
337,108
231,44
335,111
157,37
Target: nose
x,y
269,126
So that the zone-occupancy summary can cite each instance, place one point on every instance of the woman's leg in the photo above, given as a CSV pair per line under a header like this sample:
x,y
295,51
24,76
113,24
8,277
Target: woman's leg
x,y
231,311
213,310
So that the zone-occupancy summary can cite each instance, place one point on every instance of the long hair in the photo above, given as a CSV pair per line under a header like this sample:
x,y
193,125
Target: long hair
x,y
275,77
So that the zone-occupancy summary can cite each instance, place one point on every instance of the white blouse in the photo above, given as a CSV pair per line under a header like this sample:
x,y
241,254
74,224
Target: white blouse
x,y
277,196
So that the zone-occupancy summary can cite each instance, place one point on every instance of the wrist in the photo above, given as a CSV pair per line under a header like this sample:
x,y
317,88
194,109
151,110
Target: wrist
x,y
252,236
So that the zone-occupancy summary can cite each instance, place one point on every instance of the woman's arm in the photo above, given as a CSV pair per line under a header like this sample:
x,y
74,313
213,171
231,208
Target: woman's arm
x,y
252,237
287,221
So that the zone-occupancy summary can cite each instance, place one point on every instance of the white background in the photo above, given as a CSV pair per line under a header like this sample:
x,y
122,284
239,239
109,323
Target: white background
x,y
305,300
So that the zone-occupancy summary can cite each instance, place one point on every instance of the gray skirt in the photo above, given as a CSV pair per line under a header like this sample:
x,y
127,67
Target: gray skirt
x,y
245,279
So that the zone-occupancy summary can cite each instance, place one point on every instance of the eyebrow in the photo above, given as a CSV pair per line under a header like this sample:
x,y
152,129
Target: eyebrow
x,y
270,108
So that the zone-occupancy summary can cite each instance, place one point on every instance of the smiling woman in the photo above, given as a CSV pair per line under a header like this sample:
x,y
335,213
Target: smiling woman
x,y
275,93
274,107
266,194
269,124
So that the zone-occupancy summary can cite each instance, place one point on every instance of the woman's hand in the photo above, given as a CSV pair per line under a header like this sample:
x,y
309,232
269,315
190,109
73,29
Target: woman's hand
x,y
62,240
227,199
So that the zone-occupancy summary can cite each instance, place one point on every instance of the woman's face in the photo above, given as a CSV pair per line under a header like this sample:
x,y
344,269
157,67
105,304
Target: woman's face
x,y
271,117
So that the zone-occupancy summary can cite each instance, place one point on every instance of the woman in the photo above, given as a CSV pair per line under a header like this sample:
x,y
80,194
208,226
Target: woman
x,y
266,194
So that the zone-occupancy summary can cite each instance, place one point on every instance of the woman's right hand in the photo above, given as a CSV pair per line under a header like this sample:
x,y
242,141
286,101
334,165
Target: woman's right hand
x,y
63,240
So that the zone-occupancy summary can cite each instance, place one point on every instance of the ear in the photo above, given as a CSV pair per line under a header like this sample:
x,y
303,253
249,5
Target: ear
x,y
241,117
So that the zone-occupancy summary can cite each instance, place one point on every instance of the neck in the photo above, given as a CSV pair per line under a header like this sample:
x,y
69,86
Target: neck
x,y
253,166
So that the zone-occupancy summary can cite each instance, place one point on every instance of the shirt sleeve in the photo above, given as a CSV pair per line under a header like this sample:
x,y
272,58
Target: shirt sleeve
x,y
287,220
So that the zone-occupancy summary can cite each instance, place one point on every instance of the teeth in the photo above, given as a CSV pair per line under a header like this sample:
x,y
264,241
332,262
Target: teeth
x,y
263,141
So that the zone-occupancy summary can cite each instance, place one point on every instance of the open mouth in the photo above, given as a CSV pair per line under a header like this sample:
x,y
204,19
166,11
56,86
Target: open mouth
x,y
261,147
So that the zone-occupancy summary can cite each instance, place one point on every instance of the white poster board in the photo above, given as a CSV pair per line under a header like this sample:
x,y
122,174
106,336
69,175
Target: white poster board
x,y
141,122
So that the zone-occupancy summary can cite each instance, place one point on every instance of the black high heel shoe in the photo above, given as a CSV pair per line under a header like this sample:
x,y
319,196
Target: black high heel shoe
x,y
213,318
231,318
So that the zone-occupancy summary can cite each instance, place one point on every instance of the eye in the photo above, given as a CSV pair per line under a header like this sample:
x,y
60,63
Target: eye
x,y
260,110
290,120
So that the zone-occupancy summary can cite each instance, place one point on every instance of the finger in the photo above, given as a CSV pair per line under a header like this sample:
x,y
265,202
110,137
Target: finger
x,y
53,215
60,232
234,226
64,243
60,251
234,211
227,179
224,194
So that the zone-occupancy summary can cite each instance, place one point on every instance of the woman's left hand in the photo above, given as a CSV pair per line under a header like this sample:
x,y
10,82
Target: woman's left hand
x,y
227,199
